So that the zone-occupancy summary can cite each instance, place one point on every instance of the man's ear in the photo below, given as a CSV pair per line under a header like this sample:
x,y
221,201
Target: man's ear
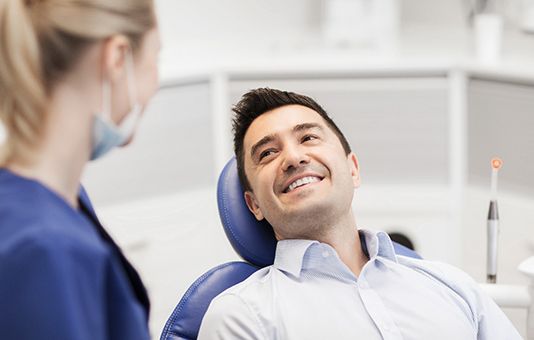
x,y
354,169
252,205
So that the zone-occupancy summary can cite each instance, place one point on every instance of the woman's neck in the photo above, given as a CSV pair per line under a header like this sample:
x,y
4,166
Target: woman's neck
x,y
64,183
60,157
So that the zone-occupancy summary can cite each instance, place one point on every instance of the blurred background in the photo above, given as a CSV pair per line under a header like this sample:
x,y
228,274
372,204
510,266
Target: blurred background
x,y
426,91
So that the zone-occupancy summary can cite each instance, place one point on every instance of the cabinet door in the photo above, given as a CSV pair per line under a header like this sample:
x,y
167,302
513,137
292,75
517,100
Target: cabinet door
x,y
501,123
398,128
171,151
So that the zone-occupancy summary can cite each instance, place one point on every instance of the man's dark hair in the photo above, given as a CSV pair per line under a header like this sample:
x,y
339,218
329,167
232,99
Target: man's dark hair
x,y
255,103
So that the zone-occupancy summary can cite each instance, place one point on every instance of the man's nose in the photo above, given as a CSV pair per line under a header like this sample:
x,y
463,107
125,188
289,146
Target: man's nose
x,y
294,157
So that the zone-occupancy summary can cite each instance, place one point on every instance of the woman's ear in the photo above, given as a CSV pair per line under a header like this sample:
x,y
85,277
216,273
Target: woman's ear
x,y
252,205
114,52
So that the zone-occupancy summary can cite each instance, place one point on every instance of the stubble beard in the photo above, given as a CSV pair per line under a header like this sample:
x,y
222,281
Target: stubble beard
x,y
313,223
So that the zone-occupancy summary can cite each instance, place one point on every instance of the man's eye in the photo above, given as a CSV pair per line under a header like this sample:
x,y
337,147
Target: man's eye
x,y
308,138
266,153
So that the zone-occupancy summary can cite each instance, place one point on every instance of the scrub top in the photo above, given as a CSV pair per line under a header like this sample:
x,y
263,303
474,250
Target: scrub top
x,y
61,274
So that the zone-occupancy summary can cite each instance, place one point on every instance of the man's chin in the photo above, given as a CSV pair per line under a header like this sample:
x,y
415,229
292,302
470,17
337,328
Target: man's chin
x,y
308,210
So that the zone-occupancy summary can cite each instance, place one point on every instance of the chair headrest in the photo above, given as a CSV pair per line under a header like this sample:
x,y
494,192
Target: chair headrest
x,y
253,240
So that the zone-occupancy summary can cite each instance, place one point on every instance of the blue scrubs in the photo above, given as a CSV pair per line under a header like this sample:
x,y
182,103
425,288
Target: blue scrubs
x,y
61,275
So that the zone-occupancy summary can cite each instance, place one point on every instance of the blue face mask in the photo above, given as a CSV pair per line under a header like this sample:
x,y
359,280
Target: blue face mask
x,y
106,134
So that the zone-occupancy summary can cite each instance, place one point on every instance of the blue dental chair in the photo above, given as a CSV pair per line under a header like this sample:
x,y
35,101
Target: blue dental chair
x,y
254,241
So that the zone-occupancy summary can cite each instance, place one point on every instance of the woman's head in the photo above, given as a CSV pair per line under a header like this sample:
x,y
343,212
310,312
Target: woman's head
x,y
42,41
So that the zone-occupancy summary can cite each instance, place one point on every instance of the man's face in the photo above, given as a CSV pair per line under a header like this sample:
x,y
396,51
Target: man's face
x,y
300,176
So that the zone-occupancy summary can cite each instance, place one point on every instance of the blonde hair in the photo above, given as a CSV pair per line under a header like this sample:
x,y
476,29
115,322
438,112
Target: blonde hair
x,y
40,41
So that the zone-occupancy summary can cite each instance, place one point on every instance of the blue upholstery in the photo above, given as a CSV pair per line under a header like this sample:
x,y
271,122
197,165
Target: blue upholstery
x,y
184,322
254,241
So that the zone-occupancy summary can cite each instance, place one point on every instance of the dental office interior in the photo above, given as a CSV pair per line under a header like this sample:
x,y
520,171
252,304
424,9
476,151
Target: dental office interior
x,y
427,92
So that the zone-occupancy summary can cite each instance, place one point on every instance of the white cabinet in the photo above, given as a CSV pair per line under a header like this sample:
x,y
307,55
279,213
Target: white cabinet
x,y
501,123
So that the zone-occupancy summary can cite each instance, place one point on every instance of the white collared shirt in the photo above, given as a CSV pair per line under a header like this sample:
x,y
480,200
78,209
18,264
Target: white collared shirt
x,y
309,293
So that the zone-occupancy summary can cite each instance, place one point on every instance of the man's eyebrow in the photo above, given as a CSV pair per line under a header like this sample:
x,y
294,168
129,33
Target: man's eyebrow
x,y
269,138
265,140
307,126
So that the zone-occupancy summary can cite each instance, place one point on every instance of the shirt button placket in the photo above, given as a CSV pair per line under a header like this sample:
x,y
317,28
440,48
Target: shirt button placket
x,y
376,309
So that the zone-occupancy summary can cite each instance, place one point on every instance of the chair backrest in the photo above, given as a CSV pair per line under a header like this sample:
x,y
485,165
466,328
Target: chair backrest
x,y
184,322
254,241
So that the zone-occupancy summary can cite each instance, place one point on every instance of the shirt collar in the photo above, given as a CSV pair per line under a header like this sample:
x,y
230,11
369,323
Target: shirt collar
x,y
290,253
378,244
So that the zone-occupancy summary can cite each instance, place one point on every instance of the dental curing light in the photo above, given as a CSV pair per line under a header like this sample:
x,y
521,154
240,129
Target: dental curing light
x,y
493,223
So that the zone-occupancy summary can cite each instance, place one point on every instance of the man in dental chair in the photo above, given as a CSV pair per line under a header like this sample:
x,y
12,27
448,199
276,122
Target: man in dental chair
x,y
330,278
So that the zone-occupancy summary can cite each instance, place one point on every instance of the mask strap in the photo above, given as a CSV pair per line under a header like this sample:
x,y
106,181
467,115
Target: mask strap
x,y
127,126
106,99
130,79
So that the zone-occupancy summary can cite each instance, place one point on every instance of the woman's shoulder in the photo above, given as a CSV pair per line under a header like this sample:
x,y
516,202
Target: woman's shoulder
x,y
42,238
31,217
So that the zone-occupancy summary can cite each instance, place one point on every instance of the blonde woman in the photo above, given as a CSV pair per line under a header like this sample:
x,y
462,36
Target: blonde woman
x,y
74,78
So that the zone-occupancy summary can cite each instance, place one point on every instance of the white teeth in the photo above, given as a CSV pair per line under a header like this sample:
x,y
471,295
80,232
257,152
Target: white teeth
x,y
302,181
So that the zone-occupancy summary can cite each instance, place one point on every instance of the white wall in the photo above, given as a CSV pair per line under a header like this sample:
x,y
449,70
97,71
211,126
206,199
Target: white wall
x,y
450,13
219,23
214,24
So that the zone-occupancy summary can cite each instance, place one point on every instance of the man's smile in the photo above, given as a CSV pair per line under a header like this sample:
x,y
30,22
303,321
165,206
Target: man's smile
x,y
300,180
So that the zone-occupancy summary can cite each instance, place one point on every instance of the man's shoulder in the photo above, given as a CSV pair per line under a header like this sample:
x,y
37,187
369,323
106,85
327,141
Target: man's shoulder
x,y
490,320
250,287
437,269
452,277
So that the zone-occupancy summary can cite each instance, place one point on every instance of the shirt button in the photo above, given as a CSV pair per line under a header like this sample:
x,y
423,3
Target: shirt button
x,y
325,254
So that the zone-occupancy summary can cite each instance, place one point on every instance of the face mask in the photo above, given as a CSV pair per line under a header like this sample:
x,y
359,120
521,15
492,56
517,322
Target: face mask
x,y
107,135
